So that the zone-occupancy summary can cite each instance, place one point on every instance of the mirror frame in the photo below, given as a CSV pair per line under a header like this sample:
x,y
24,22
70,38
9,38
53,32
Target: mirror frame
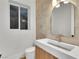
x,y
73,18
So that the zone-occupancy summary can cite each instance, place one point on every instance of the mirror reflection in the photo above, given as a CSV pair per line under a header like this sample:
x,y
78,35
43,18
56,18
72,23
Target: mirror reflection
x,y
62,19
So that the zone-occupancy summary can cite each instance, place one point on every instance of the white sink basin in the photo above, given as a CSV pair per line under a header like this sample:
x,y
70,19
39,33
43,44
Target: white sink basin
x,y
61,45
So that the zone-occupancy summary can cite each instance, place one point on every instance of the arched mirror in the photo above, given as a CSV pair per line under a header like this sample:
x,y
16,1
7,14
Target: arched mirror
x,y
62,19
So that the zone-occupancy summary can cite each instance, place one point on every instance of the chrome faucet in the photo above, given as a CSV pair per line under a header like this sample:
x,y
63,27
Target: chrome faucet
x,y
59,37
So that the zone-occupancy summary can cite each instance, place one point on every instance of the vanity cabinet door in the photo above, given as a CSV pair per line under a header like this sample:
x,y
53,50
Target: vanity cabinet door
x,y
41,54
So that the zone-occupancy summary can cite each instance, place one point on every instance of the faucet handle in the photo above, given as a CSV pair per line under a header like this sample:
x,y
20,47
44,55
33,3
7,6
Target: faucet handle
x,y
59,37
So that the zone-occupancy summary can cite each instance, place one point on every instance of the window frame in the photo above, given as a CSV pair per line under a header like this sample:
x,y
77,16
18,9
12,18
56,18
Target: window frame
x,y
19,17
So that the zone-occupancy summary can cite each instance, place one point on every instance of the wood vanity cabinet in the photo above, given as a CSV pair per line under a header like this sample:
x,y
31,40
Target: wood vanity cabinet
x,y
41,54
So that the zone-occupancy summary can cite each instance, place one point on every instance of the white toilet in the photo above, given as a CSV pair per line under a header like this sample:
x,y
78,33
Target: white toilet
x,y
30,53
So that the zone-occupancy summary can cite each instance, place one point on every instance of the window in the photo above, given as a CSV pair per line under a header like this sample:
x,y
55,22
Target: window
x,y
18,17
14,17
23,18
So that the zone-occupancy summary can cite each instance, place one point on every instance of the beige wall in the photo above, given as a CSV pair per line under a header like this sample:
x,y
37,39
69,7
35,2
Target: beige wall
x,y
46,9
43,10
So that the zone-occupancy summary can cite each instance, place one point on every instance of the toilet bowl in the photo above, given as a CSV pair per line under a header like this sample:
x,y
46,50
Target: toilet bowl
x,y
30,53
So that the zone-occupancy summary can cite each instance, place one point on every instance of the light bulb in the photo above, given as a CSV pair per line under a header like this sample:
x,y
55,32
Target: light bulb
x,y
65,2
57,6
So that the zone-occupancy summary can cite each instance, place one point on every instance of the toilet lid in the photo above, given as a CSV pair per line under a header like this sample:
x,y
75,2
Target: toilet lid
x,y
32,49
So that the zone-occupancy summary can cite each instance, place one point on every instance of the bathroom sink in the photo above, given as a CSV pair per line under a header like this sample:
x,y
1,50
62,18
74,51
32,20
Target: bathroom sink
x,y
61,45
59,49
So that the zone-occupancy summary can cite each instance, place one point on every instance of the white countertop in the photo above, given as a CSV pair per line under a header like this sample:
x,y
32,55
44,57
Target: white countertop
x,y
58,52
